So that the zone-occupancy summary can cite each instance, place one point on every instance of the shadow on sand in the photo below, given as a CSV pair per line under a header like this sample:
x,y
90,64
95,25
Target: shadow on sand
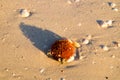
x,y
42,39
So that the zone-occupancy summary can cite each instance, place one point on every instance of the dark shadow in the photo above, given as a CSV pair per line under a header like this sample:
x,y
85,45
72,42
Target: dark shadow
x,y
77,57
114,42
101,46
109,3
42,39
71,66
100,22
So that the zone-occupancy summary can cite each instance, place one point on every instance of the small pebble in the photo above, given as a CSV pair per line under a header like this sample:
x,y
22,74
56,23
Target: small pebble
x,y
13,74
116,43
3,39
113,56
109,22
16,76
42,70
115,9
105,48
112,4
86,41
77,44
65,29
89,37
82,57
93,62
105,24
24,13
62,78
6,69
69,2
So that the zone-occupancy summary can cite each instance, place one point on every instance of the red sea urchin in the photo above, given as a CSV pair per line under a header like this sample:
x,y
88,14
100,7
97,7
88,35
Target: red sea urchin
x,y
63,50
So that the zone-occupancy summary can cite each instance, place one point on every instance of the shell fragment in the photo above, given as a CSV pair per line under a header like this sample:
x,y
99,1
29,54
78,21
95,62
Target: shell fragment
x,y
72,58
112,4
116,43
105,24
42,70
105,48
86,41
77,0
89,37
24,13
115,9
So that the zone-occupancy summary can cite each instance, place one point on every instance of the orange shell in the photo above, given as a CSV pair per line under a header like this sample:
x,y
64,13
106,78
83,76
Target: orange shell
x,y
63,49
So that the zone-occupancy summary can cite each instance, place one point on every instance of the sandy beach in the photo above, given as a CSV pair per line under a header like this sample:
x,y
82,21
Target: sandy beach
x,y
25,41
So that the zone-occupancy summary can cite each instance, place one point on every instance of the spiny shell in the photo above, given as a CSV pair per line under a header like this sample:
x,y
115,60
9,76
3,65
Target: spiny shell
x,y
63,49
